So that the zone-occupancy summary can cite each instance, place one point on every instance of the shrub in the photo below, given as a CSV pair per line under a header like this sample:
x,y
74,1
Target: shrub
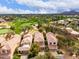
x,y
34,50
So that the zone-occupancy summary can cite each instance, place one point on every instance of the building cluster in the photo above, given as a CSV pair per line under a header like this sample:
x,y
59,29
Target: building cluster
x,y
39,39
8,44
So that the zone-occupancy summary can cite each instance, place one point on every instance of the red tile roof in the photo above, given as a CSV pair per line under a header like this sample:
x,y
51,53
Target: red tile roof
x,y
38,37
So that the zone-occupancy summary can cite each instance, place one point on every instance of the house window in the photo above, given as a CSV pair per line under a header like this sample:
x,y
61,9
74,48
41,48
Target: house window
x,y
3,51
19,51
50,43
54,43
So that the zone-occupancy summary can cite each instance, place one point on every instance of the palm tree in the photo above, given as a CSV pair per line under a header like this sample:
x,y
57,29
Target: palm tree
x,y
9,35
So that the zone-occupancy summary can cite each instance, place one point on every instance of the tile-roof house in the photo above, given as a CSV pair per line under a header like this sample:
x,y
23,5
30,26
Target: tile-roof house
x,y
14,43
39,39
2,20
5,52
25,44
27,38
52,41
3,23
24,49
2,41
72,32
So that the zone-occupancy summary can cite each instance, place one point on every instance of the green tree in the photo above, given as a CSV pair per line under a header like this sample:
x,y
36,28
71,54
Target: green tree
x,y
34,50
47,55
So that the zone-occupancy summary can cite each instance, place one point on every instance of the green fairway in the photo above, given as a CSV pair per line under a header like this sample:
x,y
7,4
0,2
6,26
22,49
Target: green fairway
x,y
3,31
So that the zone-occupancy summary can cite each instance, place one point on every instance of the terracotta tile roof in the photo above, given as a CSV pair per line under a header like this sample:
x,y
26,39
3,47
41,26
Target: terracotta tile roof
x,y
28,37
2,20
6,47
70,30
24,48
2,40
5,50
38,37
51,37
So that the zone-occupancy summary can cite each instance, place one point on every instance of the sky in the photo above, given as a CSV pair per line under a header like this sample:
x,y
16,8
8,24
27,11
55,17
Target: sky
x,y
37,6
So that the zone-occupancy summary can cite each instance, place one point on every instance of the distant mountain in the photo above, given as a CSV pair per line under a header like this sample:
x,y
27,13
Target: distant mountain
x,y
70,12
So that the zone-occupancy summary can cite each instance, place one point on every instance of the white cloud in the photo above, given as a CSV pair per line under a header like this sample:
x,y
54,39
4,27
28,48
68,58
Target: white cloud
x,y
36,3
47,11
51,4
5,10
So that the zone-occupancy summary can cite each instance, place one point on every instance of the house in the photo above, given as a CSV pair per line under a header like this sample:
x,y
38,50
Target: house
x,y
39,39
72,32
27,39
2,41
4,25
5,52
25,44
2,20
52,41
62,22
14,43
24,49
